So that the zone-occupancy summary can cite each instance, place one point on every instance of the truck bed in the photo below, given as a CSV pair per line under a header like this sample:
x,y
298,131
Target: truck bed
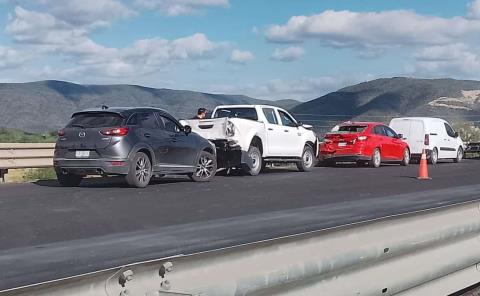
x,y
211,129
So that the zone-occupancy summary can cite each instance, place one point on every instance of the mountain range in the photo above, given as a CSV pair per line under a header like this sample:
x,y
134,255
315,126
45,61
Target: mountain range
x,y
382,99
47,105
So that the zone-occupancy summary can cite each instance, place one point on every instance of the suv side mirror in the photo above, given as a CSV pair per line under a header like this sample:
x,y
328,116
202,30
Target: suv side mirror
x,y
456,134
400,136
187,129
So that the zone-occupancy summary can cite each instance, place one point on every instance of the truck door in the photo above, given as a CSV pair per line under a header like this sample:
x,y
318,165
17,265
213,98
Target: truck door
x,y
275,134
292,135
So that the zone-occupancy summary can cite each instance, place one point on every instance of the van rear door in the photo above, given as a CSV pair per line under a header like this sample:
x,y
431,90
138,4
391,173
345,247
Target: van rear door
x,y
413,131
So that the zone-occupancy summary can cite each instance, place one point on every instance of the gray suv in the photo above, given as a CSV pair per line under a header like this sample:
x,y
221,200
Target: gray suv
x,y
137,143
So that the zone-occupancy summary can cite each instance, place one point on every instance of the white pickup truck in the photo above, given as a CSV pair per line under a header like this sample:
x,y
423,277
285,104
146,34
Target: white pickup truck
x,y
249,136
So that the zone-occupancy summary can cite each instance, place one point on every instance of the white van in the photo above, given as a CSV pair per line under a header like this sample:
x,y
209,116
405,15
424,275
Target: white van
x,y
433,134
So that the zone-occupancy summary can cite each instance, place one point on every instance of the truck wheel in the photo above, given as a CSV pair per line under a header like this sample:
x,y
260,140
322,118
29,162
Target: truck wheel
x,y
308,160
459,155
140,171
257,161
433,156
68,180
376,158
206,168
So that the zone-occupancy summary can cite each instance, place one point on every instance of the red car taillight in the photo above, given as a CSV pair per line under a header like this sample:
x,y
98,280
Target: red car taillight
x,y
117,131
426,142
61,132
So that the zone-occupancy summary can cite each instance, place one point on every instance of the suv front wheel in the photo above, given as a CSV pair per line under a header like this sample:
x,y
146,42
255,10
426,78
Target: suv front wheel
x,y
206,168
140,171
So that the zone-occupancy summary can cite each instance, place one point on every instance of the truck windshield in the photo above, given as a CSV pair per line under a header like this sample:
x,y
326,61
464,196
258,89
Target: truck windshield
x,y
245,113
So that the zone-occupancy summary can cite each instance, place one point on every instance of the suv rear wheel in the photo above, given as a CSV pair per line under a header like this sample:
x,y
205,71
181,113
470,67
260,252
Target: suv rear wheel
x,y
205,169
68,180
140,171
308,160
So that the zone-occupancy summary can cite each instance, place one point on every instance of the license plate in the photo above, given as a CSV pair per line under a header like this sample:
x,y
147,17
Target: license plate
x,y
342,144
82,154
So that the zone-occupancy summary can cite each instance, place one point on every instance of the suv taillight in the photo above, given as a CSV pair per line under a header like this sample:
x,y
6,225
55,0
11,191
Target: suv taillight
x,y
61,132
117,131
426,142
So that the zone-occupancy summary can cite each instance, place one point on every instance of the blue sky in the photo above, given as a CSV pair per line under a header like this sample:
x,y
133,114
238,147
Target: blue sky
x,y
273,49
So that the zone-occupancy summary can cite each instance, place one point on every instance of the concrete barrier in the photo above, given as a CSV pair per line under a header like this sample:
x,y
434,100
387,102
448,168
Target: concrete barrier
x,y
432,252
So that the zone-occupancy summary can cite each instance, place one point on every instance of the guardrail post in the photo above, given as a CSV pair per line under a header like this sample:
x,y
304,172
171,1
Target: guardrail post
x,y
3,172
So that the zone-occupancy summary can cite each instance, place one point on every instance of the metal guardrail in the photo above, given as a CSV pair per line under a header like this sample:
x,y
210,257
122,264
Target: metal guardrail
x,y
434,252
25,155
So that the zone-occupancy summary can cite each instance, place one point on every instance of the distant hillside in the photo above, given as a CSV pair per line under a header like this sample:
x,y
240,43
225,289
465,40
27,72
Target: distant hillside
x,y
457,100
47,105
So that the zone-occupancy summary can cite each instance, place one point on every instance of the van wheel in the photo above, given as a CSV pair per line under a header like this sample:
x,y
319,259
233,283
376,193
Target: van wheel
x,y
406,157
308,160
433,157
257,161
459,155
68,180
140,171
376,158
205,169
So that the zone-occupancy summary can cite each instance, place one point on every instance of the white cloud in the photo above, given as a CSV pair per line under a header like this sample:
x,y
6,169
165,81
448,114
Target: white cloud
x,y
241,57
181,7
45,33
89,12
474,9
454,60
374,29
82,13
11,58
288,54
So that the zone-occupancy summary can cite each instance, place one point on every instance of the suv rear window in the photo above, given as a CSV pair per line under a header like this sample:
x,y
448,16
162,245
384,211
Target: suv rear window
x,y
86,120
351,129
245,113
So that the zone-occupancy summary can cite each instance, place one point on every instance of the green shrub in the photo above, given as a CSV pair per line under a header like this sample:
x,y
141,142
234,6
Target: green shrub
x,y
39,174
468,131
18,136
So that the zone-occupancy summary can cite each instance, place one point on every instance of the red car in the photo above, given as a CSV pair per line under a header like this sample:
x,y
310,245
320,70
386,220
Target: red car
x,y
364,142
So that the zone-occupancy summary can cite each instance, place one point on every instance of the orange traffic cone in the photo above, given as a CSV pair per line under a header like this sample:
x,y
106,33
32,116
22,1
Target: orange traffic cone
x,y
423,170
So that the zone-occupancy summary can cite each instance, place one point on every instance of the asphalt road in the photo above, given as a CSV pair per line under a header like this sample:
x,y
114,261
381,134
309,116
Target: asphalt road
x,y
48,232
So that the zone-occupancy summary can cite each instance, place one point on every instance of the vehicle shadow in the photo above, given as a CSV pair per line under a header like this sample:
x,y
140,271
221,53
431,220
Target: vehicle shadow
x,y
265,171
113,182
